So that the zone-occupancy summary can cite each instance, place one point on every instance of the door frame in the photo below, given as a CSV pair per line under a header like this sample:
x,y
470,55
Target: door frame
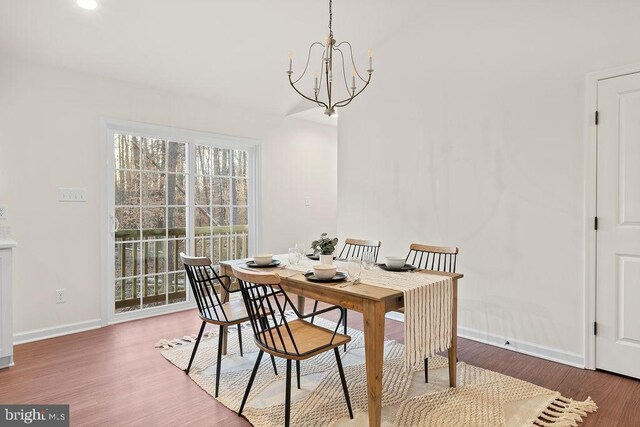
x,y
109,125
591,204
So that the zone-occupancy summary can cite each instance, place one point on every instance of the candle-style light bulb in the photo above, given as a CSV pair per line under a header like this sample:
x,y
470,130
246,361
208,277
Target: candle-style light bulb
x,y
353,79
370,59
290,61
315,84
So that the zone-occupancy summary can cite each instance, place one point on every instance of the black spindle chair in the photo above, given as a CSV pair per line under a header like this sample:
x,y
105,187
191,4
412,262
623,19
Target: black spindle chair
x,y
436,258
211,308
355,248
278,336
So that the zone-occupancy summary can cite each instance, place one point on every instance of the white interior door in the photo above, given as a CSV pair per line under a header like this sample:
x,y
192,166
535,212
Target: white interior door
x,y
618,236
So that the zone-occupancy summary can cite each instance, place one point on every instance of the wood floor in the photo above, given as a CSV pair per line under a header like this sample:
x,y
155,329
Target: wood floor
x,y
114,376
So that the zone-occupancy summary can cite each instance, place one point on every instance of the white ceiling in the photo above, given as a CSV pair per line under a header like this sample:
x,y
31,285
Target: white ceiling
x,y
234,51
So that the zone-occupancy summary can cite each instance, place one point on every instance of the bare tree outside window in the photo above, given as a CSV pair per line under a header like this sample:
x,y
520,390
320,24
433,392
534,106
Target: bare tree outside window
x,y
152,198
221,203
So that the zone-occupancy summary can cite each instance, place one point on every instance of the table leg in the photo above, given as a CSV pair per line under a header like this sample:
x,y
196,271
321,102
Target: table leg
x,y
373,316
453,350
301,301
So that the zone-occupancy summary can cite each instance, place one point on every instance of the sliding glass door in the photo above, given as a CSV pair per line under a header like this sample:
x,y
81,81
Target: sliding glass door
x,y
221,203
151,181
189,194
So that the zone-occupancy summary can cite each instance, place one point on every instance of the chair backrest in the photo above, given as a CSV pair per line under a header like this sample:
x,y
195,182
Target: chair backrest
x,y
357,248
203,279
266,304
437,258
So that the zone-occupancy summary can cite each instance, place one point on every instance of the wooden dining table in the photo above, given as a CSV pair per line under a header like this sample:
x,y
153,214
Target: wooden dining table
x,y
373,302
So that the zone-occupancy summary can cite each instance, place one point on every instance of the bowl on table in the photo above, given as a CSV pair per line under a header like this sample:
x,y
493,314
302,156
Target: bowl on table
x,y
263,259
324,271
394,262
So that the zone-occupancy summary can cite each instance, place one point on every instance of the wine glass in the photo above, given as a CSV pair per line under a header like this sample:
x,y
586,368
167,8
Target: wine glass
x,y
302,250
354,268
294,256
342,265
368,260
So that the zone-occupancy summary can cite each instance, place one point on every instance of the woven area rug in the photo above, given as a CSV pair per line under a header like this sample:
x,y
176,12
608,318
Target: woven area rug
x,y
482,398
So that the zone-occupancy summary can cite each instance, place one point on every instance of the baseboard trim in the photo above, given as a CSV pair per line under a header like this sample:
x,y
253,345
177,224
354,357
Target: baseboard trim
x,y
524,347
531,349
129,316
6,362
72,328
56,331
394,315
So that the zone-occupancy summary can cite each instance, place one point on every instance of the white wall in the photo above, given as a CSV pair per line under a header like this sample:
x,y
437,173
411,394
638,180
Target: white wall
x,y
472,134
49,138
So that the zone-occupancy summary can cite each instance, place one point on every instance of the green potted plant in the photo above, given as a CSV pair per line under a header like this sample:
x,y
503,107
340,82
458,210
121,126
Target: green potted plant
x,y
324,247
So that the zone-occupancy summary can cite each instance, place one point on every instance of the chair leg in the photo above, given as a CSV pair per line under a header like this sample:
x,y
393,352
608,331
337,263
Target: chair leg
x,y
298,372
345,327
344,382
253,377
240,338
287,396
426,369
219,363
315,307
195,348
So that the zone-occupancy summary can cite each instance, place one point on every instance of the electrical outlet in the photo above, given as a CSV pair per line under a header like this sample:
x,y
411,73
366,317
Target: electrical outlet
x,y
60,297
307,201
4,212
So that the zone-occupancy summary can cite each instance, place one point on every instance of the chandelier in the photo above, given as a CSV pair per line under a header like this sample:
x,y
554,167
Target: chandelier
x,y
325,93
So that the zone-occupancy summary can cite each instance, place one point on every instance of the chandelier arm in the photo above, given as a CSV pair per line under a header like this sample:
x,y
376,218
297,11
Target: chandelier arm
x,y
347,101
352,60
344,76
320,103
343,103
308,59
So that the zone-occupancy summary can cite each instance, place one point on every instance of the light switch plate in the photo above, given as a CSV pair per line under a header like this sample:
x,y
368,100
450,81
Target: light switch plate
x,y
4,212
72,194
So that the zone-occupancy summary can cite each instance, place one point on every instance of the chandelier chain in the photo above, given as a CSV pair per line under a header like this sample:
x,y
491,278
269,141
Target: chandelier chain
x,y
330,19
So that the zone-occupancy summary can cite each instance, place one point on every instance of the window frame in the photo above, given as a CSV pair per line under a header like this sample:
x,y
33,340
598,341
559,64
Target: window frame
x,y
109,127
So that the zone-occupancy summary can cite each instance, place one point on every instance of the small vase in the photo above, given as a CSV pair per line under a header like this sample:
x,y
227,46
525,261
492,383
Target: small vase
x,y
326,259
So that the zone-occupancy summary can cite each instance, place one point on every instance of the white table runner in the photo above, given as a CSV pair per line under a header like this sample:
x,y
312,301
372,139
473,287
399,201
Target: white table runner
x,y
428,302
